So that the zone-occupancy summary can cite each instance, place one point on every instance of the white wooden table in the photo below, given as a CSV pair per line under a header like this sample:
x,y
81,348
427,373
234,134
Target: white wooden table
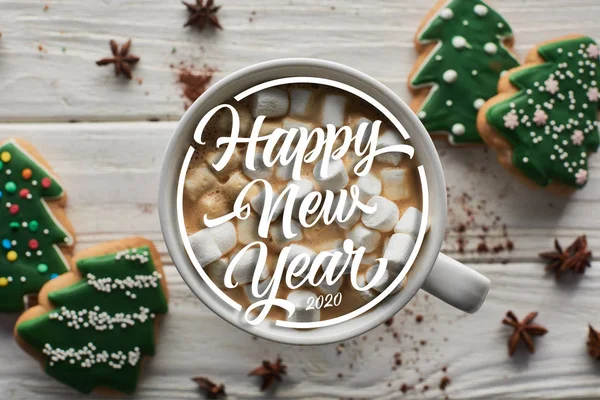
x,y
110,161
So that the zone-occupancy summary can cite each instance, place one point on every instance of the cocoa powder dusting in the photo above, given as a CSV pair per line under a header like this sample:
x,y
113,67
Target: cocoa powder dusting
x,y
193,82
482,248
444,383
473,228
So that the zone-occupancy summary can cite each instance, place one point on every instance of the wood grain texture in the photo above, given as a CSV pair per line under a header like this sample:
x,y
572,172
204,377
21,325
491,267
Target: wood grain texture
x,y
193,341
112,182
110,169
62,83
114,174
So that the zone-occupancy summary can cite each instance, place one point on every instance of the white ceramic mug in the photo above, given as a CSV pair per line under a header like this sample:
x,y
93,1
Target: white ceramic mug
x,y
436,273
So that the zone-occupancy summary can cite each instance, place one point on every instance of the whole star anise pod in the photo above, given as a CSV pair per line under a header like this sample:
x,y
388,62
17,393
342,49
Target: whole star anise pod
x,y
121,58
211,389
576,257
269,372
203,14
593,343
524,330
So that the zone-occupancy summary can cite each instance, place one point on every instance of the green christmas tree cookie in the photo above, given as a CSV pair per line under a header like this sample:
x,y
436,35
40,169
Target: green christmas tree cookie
x,y
94,325
35,236
464,47
546,114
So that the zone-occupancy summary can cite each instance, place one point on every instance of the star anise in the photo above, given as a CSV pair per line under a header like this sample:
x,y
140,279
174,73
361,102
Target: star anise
x,y
593,343
524,330
203,14
576,257
269,372
121,58
212,390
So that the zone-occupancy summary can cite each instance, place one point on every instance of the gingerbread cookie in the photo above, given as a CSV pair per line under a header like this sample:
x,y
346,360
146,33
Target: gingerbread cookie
x,y
464,46
94,325
36,237
543,121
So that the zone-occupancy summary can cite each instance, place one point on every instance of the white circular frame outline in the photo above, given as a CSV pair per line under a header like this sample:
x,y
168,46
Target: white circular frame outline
x,y
420,237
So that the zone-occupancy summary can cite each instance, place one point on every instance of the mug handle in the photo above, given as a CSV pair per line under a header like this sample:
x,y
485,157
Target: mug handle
x,y
456,284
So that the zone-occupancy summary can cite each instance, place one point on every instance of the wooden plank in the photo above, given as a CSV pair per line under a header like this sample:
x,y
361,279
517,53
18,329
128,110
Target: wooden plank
x,y
194,342
112,183
60,82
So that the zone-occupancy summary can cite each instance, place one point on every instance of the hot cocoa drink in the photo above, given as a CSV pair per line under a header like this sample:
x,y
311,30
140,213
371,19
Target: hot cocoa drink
x,y
300,194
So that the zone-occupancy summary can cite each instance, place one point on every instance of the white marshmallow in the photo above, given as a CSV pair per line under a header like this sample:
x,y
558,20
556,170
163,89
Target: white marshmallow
x,y
295,250
244,269
292,128
385,280
216,271
269,126
334,109
311,218
248,230
366,295
385,217
261,171
353,218
395,185
385,242
234,185
223,121
215,156
355,120
356,123
299,299
262,286
337,267
364,237
386,139
305,187
258,202
290,123
224,236
368,259
331,289
213,205
204,247
278,237
369,186
197,182
270,102
284,172
410,222
299,99
334,179
397,251
350,161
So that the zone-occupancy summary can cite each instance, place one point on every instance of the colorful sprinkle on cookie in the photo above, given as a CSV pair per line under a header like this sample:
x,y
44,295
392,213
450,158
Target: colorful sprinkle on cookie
x,y
25,207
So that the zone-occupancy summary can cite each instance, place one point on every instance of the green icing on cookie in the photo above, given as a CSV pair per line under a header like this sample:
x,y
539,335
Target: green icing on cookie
x,y
551,122
29,233
464,67
102,325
